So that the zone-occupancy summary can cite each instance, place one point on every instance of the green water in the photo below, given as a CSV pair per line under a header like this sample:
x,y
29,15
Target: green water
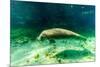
x,y
29,19
27,51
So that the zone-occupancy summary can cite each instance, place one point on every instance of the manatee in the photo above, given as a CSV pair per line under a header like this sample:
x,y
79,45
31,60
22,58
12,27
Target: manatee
x,y
55,33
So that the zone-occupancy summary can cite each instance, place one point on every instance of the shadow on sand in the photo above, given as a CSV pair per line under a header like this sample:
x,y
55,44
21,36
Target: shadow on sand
x,y
73,54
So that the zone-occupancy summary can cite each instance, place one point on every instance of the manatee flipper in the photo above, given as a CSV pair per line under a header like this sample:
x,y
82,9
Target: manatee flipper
x,y
52,41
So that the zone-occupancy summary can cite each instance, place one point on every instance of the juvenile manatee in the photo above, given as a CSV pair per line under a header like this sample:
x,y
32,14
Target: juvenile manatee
x,y
56,33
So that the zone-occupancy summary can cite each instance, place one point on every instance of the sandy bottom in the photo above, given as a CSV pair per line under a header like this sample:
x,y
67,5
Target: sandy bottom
x,y
32,52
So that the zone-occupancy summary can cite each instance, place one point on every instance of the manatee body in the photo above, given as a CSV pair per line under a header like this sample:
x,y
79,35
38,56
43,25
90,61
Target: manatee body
x,y
56,33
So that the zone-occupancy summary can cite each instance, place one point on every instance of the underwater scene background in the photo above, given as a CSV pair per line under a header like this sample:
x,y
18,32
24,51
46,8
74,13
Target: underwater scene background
x,y
29,19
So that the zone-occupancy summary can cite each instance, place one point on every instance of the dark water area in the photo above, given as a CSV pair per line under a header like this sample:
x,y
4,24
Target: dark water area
x,y
40,16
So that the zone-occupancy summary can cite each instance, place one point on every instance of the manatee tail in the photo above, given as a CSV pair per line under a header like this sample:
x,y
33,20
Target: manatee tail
x,y
83,37
80,36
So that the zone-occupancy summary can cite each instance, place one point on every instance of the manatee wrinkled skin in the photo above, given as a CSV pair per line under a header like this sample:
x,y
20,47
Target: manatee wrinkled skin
x,y
58,33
